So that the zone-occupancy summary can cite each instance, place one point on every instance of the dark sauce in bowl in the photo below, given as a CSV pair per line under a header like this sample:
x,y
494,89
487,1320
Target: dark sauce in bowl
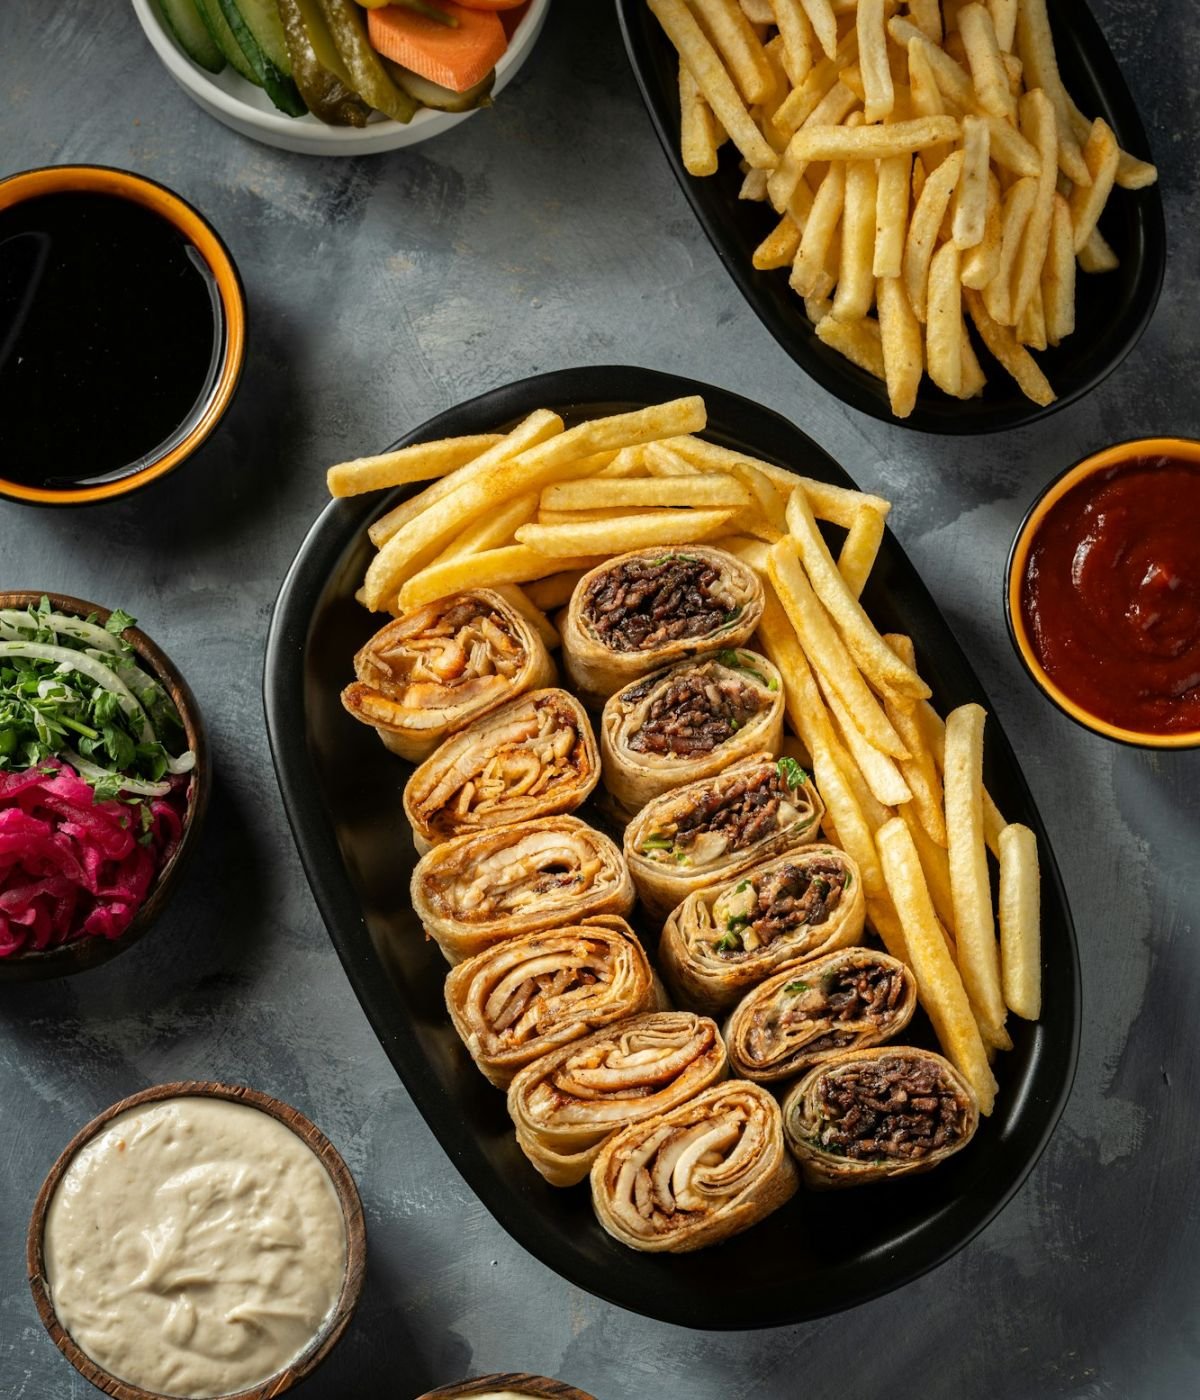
x,y
111,338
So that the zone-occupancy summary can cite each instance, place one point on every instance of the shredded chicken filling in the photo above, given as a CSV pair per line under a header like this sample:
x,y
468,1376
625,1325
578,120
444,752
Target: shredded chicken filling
x,y
434,656
645,603
509,879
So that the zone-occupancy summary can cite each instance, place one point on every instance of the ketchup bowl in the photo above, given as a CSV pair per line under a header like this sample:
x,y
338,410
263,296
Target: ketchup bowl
x,y
1103,592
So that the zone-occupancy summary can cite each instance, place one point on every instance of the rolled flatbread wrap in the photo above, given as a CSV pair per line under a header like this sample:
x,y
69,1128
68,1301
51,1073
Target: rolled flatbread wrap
x,y
688,722
708,831
504,881
534,757
697,1174
651,608
870,1114
724,940
522,998
438,668
568,1104
814,1011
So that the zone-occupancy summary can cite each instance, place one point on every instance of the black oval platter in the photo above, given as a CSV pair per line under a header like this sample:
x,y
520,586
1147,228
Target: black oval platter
x,y
342,792
1112,309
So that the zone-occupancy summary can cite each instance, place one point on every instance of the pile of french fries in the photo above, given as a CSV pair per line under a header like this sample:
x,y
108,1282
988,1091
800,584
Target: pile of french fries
x,y
529,511
924,159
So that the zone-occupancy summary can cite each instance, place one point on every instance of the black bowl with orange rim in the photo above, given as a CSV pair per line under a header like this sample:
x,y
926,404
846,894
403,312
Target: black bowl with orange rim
x,y
122,333
1102,595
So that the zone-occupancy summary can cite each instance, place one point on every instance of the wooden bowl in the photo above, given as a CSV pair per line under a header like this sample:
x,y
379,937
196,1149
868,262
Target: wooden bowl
x,y
87,952
518,1381
347,1193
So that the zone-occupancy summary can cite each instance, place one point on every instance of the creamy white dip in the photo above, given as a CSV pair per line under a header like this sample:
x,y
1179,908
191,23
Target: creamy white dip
x,y
195,1247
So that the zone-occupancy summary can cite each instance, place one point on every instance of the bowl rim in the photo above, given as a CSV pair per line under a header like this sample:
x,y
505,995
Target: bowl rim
x,y
200,83
1119,454
80,954
313,1138
23,185
521,1382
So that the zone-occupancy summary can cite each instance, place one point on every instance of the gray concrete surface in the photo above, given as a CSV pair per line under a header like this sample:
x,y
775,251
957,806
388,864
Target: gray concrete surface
x,y
549,232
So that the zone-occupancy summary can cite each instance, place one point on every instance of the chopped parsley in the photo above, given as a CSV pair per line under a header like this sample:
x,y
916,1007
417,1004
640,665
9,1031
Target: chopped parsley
x,y
791,772
729,943
795,988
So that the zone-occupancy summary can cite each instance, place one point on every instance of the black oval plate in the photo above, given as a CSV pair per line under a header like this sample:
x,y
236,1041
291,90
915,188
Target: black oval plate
x,y
342,793
1112,310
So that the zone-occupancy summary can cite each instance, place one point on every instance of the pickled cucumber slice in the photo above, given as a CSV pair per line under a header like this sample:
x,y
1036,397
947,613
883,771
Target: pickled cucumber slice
x,y
278,84
368,76
183,20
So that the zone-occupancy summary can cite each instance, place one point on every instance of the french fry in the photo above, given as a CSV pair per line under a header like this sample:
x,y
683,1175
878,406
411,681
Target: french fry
x,y
879,772
873,142
919,769
633,532
891,214
934,728
924,100
973,377
974,925
1058,276
1004,21
1102,155
1032,330
490,531
762,492
1134,174
819,230
1035,46
512,563
824,647
927,16
802,101
860,548
981,263
553,591
754,186
421,462
784,182
941,988
1017,206
738,44
824,24
923,230
952,79
985,62
1096,255
1011,354
780,246
714,82
805,709
561,456
858,341
878,93
1038,123
697,127
877,660
1020,922
971,192
589,493
573,517
538,427
799,40
628,462
856,281
903,349
943,320
758,11
935,864
875,813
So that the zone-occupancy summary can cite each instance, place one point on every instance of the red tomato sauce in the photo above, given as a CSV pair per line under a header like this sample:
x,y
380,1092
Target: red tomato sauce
x,y
1111,595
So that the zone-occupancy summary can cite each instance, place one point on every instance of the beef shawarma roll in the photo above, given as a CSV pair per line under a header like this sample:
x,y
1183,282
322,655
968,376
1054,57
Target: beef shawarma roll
x,y
438,668
870,1114
568,1104
534,757
522,998
499,883
688,722
697,1174
706,832
853,999
653,607
723,940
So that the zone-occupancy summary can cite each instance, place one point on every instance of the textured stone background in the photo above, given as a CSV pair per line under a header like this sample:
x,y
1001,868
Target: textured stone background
x,y
546,233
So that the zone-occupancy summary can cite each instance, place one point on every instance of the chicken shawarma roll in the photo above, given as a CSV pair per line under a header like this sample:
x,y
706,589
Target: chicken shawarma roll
x,y
728,938
522,998
438,668
852,999
870,1114
499,883
697,1174
534,757
569,1103
653,607
689,722
706,832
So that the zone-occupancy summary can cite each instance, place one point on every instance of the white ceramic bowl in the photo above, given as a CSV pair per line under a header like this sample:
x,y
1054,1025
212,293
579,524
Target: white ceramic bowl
x,y
246,108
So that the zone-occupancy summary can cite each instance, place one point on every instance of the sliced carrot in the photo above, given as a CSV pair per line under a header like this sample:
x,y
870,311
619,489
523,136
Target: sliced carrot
x,y
456,58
